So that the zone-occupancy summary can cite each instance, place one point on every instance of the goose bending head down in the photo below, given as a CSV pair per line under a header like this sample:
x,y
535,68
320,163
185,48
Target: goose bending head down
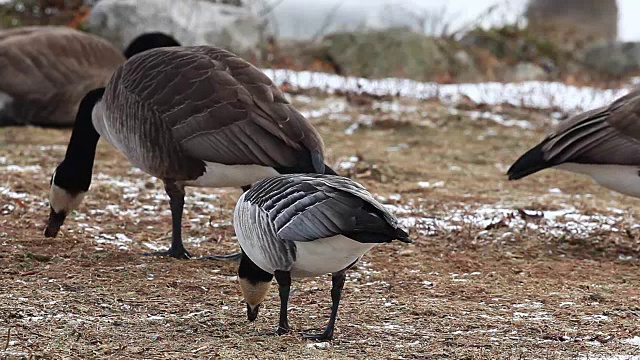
x,y
190,116
306,225
603,143
46,70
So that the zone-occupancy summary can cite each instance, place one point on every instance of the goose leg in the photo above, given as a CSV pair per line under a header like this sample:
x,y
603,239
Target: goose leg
x,y
284,286
176,201
337,280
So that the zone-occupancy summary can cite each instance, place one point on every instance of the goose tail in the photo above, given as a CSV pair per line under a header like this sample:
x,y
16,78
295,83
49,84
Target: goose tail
x,y
328,170
531,162
402,235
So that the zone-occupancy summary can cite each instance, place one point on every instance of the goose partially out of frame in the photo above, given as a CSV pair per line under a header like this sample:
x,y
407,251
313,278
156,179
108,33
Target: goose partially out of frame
x,y
306,225
603,144
46,70
190,116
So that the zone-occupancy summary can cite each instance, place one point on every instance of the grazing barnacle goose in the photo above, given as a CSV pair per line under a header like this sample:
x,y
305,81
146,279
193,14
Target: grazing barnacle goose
x,y
190,116
46,70
306,225
603,143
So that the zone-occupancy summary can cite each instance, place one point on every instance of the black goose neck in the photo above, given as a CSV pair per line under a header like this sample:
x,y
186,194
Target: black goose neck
x,y
149,41
74,173
250,271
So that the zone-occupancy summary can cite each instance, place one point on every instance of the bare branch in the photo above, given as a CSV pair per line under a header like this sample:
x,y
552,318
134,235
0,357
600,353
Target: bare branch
x,y
328,20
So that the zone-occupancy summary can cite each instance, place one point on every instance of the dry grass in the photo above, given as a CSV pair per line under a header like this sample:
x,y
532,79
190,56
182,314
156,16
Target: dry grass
x,y
471,292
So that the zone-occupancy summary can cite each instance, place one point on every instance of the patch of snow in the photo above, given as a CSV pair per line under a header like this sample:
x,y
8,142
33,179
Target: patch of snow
x,y
19,169
597,318
197,313
535,94
427,184
632,341
555,191
536,316
335,106
119,240
154,247
528,305
349,163
499,119
555,222
609,357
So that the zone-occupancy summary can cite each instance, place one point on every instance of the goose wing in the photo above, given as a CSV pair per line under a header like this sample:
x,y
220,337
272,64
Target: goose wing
x,y
606,135
221,108
311,207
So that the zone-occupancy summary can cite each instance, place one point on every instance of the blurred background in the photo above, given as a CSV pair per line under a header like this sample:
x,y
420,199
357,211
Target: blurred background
x,y
581,42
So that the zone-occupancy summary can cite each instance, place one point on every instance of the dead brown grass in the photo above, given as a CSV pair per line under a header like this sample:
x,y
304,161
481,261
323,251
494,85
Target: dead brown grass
x,y
466,293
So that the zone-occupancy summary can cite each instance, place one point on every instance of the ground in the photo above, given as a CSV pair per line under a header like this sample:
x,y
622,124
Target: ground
x,y
542,268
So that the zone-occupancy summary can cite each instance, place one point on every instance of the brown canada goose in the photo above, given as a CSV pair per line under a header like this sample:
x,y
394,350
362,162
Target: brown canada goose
x,y
306,225
190,116
603,143
46,70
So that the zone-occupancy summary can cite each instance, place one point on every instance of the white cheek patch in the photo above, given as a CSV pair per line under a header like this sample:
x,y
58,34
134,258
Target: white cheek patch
x,y
254,294
62,201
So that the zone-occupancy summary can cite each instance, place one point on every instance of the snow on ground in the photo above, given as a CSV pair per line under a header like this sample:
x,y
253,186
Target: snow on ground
x,y
556,222
535,94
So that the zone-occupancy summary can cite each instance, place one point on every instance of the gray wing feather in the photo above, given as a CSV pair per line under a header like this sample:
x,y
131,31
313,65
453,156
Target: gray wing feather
x,y
220,108
606,135
310,207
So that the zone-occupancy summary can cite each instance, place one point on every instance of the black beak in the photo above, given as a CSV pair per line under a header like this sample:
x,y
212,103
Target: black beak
x,y
54,223
252,314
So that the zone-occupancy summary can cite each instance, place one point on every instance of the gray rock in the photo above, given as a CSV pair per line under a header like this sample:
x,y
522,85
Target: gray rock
x,y
617,58
589,20
525,71
191,22
392,53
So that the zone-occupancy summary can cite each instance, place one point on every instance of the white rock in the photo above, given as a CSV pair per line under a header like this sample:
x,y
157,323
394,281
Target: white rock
x,y
191,22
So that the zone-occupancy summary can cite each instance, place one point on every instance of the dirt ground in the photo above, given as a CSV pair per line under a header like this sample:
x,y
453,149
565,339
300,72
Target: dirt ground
x,y
543,268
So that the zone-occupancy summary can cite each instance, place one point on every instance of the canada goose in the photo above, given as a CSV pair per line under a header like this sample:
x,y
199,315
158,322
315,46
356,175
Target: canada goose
x,y
46,70
306,225
603,143
190,116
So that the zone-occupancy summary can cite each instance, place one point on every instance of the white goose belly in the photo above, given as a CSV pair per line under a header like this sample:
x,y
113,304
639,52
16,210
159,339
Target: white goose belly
x,y
624,179
328,255
221,175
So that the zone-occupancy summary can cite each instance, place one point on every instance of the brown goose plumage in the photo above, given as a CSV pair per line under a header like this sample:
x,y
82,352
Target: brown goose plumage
x,y
46,70
191,116
195,104
603,143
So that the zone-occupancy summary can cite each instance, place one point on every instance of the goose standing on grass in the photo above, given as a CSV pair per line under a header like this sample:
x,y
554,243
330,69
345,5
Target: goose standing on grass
x,y
46,70
190,116
306,225
603,143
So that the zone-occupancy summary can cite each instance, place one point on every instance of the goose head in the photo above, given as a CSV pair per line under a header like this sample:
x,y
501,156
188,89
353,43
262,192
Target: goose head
x,y
254,293
149,41
255,284
63,199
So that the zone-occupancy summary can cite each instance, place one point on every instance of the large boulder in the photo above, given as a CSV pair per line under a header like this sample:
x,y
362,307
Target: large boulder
x,y
396,53
581,20
191,22
617,59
